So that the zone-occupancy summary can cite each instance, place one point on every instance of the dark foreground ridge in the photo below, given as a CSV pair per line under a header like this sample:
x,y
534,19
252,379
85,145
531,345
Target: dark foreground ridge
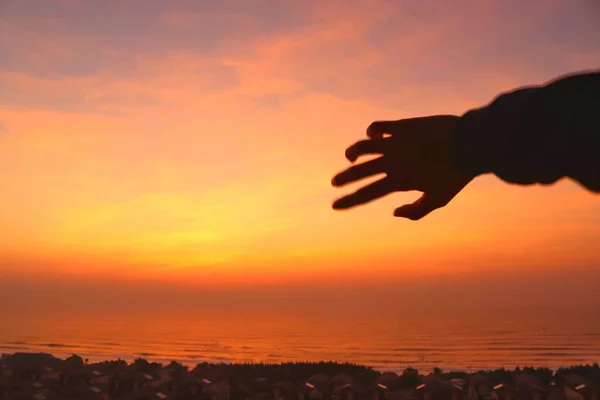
x,y
41,376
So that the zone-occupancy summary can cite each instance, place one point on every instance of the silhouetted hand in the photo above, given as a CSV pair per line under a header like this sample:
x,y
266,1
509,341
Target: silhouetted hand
x,y
415,156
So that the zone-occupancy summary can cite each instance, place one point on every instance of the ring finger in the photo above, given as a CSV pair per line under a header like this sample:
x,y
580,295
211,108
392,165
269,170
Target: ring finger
x,y
359,171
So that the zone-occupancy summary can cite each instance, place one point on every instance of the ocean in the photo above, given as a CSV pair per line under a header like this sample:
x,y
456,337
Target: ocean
x,y
386,341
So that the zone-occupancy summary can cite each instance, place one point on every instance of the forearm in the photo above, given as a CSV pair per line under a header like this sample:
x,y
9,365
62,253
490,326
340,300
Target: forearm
x,y
535,135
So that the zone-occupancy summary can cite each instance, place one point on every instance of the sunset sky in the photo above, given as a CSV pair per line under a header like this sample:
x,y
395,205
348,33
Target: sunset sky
x,y
191,143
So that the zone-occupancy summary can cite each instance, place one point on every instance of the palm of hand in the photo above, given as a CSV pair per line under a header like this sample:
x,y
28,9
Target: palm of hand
x,y
415,155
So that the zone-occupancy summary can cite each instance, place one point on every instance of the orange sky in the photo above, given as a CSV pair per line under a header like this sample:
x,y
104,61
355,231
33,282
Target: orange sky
x,y
195,141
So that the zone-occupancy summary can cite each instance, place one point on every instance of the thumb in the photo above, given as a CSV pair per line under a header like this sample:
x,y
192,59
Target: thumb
x,y
420,208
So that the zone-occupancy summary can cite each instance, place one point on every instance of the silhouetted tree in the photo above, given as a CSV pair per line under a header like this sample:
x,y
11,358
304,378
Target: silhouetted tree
x,y
410,378
74,362
500,375
454,375
144,366
544,375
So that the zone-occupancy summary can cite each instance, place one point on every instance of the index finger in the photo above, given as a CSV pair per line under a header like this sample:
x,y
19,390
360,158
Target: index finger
x,y
378,129
363,147
408,125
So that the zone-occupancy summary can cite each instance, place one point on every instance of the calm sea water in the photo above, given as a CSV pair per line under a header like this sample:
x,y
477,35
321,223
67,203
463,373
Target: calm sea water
x,y
387,342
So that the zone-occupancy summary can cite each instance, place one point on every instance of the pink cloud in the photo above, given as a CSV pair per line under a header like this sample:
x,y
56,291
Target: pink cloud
x,y
443,55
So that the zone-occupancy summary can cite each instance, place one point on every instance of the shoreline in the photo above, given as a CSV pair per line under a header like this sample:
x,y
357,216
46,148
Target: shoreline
x,y
130,359
189,362
192,362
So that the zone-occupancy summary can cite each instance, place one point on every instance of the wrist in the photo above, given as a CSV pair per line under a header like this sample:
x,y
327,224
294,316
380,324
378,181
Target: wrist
x,y
468,144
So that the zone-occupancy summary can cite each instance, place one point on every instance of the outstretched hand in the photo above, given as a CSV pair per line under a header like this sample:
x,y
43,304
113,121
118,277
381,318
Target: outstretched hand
x,y
415,155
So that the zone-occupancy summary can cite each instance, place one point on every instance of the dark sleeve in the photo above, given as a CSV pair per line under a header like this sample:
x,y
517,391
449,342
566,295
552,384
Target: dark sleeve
x,y
536,134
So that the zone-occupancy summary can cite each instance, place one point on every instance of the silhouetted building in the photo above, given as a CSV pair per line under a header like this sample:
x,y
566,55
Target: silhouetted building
x,y
480,387
578,387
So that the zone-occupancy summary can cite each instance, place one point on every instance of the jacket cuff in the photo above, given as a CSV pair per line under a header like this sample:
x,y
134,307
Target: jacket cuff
x,y
471,144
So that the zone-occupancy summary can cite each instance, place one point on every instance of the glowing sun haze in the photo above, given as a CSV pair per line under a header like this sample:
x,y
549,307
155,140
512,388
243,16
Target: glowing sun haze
x,y
194,140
